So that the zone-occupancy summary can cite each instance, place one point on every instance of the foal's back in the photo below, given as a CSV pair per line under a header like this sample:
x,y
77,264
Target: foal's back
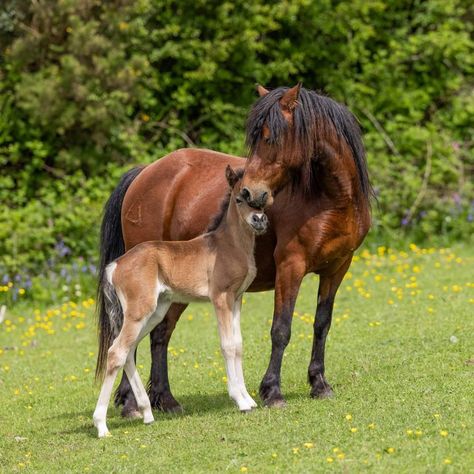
x,y
179,270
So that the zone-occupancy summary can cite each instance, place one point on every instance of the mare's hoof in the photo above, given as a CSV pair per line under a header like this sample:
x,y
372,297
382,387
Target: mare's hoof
x,y
166,403
173,410
131,413
275,403
322,392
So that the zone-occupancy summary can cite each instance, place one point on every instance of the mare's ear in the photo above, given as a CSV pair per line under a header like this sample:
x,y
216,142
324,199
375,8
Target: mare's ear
x,y
231,176
261,90
289,100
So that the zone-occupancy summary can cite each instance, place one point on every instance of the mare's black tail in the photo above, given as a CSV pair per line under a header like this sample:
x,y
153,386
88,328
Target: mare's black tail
x,y
111,247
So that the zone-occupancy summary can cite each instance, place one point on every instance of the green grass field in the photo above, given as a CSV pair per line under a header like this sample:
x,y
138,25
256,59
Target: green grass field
x,y
400,357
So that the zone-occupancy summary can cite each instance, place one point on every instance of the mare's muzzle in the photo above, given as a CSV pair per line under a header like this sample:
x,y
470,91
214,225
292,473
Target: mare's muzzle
x,y
257,199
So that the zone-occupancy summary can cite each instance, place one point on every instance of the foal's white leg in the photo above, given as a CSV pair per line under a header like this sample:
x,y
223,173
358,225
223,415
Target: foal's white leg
x,y
239,352
100,412
143,401
226,332
116,358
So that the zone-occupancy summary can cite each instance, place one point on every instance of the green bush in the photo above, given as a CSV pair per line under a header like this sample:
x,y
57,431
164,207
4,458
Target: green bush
x,y
87,88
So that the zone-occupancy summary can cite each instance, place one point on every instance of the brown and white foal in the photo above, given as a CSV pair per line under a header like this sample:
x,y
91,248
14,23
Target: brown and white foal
x,y
217,266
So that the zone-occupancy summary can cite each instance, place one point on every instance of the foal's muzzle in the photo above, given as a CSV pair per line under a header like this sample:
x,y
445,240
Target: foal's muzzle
x,y
259,223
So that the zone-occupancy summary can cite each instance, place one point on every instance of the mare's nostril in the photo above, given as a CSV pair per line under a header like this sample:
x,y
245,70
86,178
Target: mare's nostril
x,y
245,193
255,219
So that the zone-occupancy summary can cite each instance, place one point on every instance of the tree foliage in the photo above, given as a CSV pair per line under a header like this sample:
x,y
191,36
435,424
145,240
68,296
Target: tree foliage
x,y
87,87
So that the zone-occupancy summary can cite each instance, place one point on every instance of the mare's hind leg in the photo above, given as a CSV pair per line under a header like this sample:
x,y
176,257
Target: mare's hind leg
x,y
328,286
159,386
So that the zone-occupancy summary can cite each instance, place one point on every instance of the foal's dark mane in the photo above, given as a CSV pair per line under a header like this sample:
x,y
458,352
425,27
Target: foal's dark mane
x,y
219,217
316,118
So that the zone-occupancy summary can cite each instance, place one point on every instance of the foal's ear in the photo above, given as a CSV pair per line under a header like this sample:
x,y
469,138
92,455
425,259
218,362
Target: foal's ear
x,y
261,90
289,99
231,176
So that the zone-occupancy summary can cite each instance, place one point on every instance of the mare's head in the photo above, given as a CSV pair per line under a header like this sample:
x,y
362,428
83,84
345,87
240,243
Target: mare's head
x,y
288,131
252,215
274,151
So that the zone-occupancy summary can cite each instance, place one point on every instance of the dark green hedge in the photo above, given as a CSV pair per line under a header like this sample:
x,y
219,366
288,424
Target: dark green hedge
x,y
88,87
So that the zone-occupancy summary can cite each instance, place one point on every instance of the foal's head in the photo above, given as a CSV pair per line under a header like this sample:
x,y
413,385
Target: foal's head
x,y
251,214
274,151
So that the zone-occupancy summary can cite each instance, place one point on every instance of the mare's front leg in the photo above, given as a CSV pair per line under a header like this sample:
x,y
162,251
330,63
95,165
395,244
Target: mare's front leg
x,y
230,346
289,274
328,286
159,387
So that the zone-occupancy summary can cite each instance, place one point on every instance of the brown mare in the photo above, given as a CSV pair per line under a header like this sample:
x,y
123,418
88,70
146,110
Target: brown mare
x,y
307,160
141,285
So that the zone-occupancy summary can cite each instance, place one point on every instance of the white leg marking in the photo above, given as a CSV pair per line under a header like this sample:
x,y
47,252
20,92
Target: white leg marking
x,y
100,413
123,356
136,383
228,348
119,356
143,402
239,353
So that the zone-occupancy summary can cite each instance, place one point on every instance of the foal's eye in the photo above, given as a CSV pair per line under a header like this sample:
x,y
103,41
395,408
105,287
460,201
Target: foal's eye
x,y
238,200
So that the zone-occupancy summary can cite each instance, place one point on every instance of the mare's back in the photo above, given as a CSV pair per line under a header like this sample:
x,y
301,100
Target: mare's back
x,y
176,197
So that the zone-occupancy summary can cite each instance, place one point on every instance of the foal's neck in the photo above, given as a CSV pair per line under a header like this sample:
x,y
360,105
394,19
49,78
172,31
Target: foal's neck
x,y
235,230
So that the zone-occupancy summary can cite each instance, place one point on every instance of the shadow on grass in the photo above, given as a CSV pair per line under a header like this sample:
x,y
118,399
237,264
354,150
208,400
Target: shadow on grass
x,y
194,405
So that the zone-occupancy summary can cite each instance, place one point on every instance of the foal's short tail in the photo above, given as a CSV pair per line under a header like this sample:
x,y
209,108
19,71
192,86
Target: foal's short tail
x,y
113,317
111,247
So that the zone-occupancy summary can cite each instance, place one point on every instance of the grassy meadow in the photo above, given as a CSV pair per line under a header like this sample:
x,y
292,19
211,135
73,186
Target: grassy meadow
x,y
400,357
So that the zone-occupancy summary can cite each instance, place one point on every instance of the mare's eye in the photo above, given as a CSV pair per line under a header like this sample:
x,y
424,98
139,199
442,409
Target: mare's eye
x,y
238,200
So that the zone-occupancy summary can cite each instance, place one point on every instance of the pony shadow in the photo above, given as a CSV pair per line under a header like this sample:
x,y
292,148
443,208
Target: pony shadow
x,y
194,405
201,404
115,422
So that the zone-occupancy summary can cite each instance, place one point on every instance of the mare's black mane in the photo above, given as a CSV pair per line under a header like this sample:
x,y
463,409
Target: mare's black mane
x,y
219,217
315,117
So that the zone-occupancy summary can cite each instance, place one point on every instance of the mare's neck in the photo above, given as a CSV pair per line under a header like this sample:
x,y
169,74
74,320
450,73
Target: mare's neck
x,y
338,172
